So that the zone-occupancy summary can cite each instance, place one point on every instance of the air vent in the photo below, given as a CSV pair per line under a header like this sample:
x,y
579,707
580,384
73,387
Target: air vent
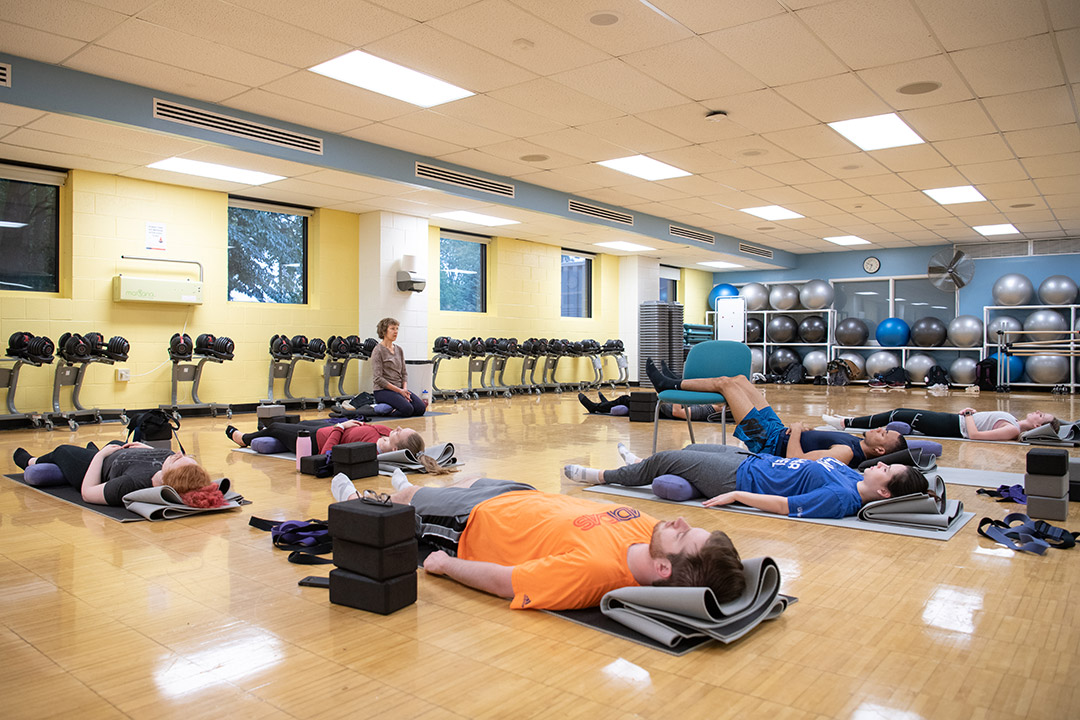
x,y
460,179
753,250
995,249
692,234
5,75
576,206
1056,246
174,112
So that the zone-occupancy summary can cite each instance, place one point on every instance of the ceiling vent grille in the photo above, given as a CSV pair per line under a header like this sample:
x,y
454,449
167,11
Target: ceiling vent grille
x,y
1056,246
692,234
753,250
460,179
576,206
995,249
174,112
5,75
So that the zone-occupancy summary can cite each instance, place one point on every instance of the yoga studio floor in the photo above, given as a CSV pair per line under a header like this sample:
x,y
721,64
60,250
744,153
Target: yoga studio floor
x,y
201,617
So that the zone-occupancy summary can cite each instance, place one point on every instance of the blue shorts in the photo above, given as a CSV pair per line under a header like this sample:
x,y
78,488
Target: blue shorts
x,y
763,432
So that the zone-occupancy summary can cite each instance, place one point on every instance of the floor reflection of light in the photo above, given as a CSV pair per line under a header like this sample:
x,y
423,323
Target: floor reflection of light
x,y
232,659
995,552
870,711
953,609
629,672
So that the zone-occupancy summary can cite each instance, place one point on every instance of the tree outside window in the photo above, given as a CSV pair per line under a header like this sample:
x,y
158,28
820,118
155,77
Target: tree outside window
x,y
462,275
576,286
267,256
29,236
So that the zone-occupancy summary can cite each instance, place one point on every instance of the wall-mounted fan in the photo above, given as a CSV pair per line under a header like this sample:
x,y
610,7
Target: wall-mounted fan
x,y
950,270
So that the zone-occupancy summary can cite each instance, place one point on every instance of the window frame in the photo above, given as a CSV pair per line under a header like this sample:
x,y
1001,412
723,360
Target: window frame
x,y
51,177
242,203
483,241
590,258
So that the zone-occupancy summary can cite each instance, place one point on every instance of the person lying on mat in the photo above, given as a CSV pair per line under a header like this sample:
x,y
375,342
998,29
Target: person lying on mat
x,y
555,552
763,432
105,476
621,406
968,423
797,487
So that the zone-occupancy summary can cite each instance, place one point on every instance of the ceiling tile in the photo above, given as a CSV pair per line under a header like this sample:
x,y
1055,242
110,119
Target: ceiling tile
x,y
688,122
778,50
703,17
630,132
639,27
969,23
910,157
1052,165
37,44
797,172
695,185
68,18
784,196
830,190
1010,67
1063,14
880,184
656,192
877,217
852,165
694,159
991,172
887,80
153,143
984,148
1008,190
677,66
556,181
328,193
946,122
423,10
496,115
557,102
1058,186
599,175
324,92
580,144
1044,141
813,208
81,146
382,134
1069,46
249,160
751,150
291,110
448,129
167,78
868,33
18,115
904,200
353,22
1037,108
814,141
840,97
935,178
743,179
618,84
762,111
515,149
488,163
361,183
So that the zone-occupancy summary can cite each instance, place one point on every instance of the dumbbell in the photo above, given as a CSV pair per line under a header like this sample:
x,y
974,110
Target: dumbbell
x,y
338,347
223,347
440,345
96,341
74,348
369,346
315,348
280,347
299,344
356,345
180,346
204,344
117,348
18,343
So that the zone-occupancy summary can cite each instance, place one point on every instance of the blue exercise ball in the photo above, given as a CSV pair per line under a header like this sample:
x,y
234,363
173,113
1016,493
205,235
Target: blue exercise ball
x,y
1016,367
892,332
721,290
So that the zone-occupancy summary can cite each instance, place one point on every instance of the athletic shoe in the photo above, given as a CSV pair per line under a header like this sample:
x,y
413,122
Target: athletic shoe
x,y
877,382
898,385
834,421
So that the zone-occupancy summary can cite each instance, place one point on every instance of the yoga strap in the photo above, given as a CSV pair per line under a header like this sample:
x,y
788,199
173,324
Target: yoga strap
x,y
1006,493
1035,536
307,557
311,536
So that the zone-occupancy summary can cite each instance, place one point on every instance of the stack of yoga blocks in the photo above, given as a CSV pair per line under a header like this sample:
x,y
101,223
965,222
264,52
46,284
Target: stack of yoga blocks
x,y
642,406
266,414
375,552
1046,483
356,459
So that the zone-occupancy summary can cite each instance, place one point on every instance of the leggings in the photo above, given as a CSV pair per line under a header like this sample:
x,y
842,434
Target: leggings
x,y
709,468
927,422
73,461
414,406
286,433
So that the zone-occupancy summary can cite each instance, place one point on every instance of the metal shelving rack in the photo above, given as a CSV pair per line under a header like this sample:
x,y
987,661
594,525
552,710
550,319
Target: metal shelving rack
x,y
1070,348
829,314
905,351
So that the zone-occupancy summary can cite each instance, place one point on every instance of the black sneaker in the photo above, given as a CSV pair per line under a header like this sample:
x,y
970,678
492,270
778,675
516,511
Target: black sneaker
x,y
878,382
898,385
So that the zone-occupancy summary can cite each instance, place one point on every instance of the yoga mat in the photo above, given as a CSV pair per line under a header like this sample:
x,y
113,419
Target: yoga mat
x,y
644,492
858,431
382,419
717,421
978,478
291,457
70,495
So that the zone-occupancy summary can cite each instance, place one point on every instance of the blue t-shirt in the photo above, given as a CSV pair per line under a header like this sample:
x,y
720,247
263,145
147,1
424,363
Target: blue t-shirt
x,y
825,488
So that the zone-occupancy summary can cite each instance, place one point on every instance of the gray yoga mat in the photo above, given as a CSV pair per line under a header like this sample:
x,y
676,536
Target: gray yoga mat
x,y
291,457
978,478
70,495
644,492
920,436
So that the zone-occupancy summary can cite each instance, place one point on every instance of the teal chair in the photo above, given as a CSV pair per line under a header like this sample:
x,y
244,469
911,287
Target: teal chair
x,y
713,358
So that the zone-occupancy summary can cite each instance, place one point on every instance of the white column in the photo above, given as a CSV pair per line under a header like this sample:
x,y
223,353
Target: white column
x,y
639,281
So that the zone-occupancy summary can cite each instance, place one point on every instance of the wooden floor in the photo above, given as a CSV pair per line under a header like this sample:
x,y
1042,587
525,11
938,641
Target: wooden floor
x,y
203,618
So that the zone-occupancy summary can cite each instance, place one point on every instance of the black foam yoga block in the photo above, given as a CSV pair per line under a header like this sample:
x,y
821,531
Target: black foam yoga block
x,y
377,596
374,525
311,464
354,452
1048,461
636,406
354,471
376,563
642,396
641,416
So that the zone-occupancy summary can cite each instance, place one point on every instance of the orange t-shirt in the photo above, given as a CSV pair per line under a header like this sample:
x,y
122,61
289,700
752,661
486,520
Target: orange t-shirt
x,y
566,552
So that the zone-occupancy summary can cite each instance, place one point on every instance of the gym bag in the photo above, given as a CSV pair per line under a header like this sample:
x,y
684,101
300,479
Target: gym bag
x,y
840,372
986,374
153,425
936,375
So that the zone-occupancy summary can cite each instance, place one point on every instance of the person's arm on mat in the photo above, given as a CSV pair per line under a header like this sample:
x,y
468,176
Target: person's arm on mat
x,y
93,489
794,447
489,577
769,503
1005,432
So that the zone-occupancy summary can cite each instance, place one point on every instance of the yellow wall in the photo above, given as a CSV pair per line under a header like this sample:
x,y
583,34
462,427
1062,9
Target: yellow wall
x,y
524,288
108,219
694,294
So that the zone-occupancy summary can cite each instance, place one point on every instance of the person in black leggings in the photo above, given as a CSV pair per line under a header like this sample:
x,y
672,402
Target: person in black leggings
x,y
968,423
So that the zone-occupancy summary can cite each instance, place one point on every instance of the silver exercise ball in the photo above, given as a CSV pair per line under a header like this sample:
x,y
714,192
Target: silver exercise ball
x,y
965,331
781,329
917,366
881,362
815,362
1057,290
852,331
1044,321
783,297
754,330
1047,369
781,358
757,296
962,371
757,360
858,361
1012,289
928,332
813,329
1005,323
816,294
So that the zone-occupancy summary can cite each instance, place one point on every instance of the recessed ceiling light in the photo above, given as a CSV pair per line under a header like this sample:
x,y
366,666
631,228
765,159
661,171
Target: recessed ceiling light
x,y
877,132
11,224
866,292
953,195
720,264
771,212
1017,206
753,153
919,304
644,167
851,167
919,88
473,218
900,299
846,240
387,78
716,115
536,157
604,19
214,171
623,245
940,307
766,227
1001,229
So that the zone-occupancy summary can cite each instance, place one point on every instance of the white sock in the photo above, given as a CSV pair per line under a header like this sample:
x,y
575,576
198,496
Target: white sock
x,y
398,480
341,487
581,474
628,457
836,421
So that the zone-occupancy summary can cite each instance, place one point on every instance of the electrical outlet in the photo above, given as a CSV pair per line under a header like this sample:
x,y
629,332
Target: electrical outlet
x,y
123,374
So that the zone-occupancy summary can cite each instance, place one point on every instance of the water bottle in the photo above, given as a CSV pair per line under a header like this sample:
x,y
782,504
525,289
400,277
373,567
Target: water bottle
x,y
426,397
303,446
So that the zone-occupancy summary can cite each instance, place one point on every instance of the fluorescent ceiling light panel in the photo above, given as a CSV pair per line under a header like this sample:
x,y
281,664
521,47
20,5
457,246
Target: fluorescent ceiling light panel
x,y
644,167
866,292
919,304
11,224
847,240
475,218
387,78
215,171
772,212
720,264
953,195
623,245
1002,229
877,132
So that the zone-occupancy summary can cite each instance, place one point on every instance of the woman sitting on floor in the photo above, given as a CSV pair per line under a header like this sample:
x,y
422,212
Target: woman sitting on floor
x,y
968,423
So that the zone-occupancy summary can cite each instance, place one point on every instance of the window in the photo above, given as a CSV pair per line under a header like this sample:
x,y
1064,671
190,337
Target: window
x,y
669,290
29,229
917,298
462,274
267,253
866,300
576,286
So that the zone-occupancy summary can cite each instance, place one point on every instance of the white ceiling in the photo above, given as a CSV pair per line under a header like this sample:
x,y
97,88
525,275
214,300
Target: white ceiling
x,y
551,82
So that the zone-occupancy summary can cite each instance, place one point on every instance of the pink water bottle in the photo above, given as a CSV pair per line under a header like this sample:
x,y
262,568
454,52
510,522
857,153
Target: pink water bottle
x,y
303,446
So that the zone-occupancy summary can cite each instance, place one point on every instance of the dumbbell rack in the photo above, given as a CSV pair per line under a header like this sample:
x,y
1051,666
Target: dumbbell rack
x,y
282,369
477,364
336,368
436,391
495,363
71,373
528,366
9,379
621,364
192,373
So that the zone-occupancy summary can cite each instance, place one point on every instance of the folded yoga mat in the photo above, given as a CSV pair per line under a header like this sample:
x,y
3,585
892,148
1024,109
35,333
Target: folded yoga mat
x,y
644,492
70,495
291,457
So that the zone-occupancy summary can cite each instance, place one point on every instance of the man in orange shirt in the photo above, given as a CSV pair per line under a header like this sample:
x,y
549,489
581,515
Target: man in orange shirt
x,y
555,552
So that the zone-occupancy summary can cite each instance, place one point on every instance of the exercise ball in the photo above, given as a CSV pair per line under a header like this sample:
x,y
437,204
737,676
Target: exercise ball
x,y
1057,290
721,290
852,331
815,362
858,361
754,330
1039,322
928,332
892,332
757,360
781,358
816,294
813,329
881,362
1047,369
917,366
1003,322
757,296
783,297
1012,289
962,371
781,329
1016,367
965,331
